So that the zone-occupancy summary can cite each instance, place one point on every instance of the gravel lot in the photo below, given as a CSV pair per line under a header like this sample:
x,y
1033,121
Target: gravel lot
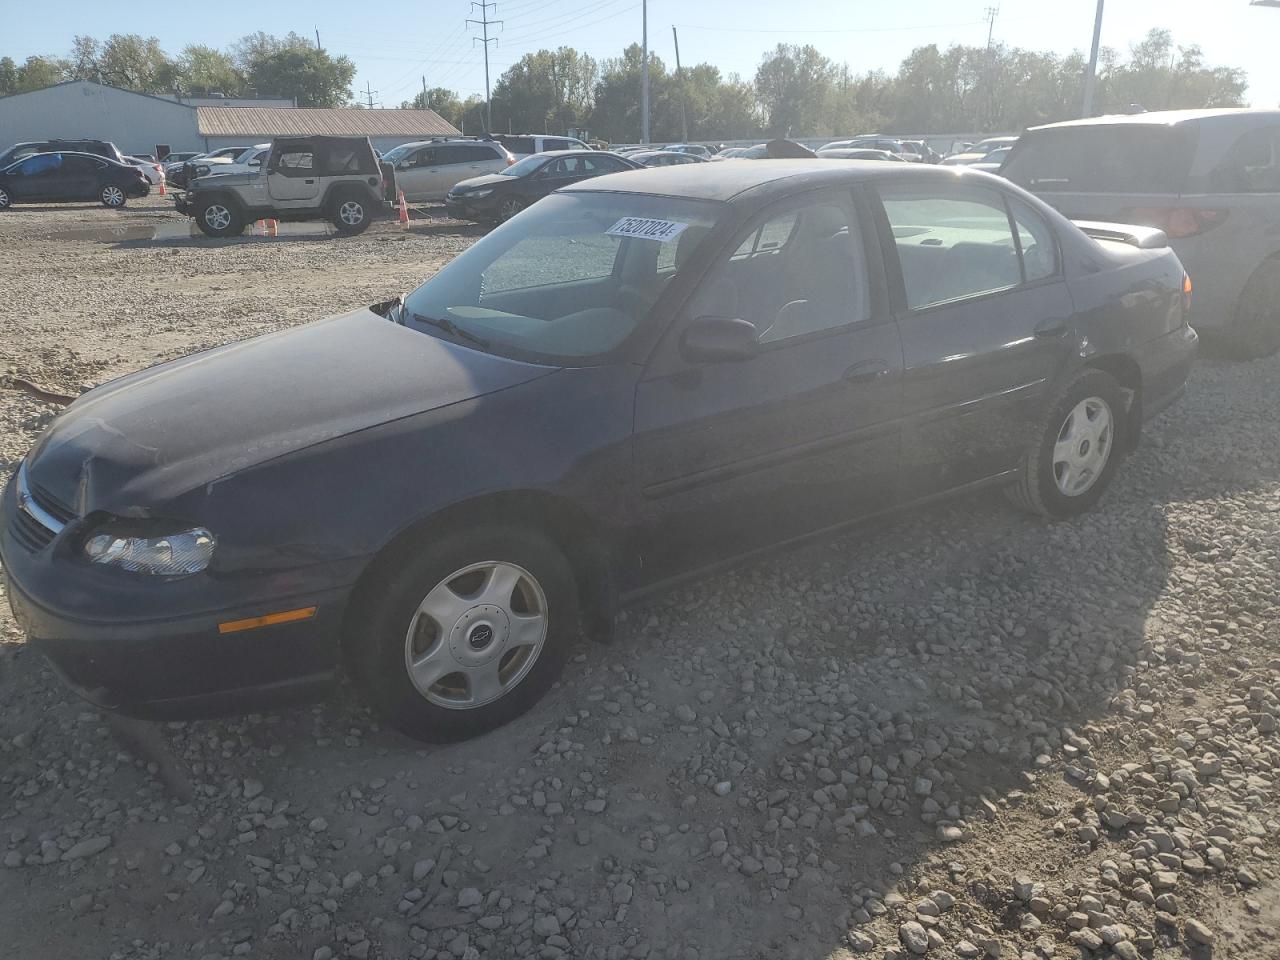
x,y
963,733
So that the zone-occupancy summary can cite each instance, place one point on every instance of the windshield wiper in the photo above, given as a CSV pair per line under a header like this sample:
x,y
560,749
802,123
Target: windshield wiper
x,y
447,325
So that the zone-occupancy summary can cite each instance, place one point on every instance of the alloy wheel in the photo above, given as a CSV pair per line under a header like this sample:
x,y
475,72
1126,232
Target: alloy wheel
x,y
476,635
217,216
1083,447
112,196
351,213
4,199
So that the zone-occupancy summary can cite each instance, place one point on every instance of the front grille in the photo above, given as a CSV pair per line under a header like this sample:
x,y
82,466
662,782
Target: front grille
x,y
51,504
28,532
39,516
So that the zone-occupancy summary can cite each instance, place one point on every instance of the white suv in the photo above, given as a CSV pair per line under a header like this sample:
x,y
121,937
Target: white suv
x,y
523,145
429,169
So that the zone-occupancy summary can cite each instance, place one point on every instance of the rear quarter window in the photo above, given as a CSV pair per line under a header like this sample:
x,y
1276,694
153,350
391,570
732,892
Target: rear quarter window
x,y
1143,158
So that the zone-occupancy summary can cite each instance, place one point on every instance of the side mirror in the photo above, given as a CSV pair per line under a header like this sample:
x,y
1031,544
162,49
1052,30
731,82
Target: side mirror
x,y
713,339
255,163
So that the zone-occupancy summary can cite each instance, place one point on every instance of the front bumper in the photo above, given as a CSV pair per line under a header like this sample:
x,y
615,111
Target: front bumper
x,y
154,649
183,204
465,208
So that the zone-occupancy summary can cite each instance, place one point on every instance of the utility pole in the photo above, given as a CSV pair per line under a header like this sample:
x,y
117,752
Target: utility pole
x,y
684,118
425,104
992,13
644,81
484,23
369,94
1090,78
318,47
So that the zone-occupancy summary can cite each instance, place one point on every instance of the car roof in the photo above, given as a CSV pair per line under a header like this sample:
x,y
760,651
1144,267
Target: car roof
x,y
1168,118
724,181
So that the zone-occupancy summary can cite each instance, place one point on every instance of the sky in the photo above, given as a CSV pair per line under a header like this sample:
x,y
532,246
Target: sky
x,y
395,42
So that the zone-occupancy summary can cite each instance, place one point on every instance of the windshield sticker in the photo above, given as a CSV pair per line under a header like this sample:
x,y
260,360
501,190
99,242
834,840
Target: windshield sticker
x,y
645,229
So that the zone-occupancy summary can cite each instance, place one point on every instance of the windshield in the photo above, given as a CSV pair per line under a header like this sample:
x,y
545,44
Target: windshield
x,y
569,280
524,167
396,154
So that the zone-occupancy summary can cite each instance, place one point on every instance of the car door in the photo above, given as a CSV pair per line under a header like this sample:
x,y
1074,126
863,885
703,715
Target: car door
x,y
986,323
414,172
451,167
292,177
42,177
553,175
733,456
84,177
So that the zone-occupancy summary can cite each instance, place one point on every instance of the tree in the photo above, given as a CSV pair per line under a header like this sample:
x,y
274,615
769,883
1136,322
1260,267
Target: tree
x,y
292,67
794,85
545,91
615,114
40,72
8,76
204,69
86,54
132,62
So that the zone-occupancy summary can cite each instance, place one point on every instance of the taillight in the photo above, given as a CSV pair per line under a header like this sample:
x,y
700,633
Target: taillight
x,y
1186,295
1177,222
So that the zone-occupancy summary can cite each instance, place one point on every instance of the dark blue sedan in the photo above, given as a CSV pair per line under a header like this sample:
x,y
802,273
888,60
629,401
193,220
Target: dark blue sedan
x,y
66,177
640,377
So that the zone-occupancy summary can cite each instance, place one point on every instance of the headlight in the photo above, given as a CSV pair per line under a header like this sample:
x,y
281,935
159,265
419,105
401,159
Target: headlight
x,y
476,194
172,555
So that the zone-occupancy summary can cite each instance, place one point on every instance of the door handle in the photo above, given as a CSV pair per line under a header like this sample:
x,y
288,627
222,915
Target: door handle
x,y
308,181
1052,328
866,371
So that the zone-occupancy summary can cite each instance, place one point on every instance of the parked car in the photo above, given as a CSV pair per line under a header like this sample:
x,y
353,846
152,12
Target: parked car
x,y
339,179
428,170
500,196
921,151
99,148
181,156
993,161
729,153
640,377
1210,179
521,145
694,149
886,144
153,171
979,151
66,177
664,158
180,174
844,153
246,161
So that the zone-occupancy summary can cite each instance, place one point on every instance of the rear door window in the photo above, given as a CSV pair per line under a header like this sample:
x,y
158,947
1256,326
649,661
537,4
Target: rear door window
x,y
450,153
555,143
1107,158
1252,165
951,245
518,144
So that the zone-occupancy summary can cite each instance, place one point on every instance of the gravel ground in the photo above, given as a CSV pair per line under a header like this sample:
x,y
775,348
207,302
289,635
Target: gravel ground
x,y
963,733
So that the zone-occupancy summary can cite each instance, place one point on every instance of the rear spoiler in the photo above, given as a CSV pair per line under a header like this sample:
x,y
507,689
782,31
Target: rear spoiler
x,y
1136,235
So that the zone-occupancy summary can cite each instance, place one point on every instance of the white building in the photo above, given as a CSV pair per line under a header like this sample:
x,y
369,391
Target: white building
x,y
140,122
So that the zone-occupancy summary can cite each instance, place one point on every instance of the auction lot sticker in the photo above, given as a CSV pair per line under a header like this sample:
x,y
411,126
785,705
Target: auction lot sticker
x,y
645,229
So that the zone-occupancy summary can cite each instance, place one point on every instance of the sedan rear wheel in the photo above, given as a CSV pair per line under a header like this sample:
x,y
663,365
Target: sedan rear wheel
x,y
5,200
112,196
1078,448
467,634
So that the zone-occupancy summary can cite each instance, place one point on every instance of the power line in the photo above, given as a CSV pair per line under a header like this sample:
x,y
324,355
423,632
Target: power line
x,y
922,26
576,26
553,24
484,23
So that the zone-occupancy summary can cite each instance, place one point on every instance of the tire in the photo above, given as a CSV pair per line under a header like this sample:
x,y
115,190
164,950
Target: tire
x,y
1063,488
1255,329
351,214
218,217
456,577
112,196
508,207
6,201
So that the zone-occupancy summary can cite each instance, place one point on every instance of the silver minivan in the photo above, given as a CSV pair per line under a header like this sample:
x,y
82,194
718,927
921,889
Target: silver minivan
x,y
1209,178
429,169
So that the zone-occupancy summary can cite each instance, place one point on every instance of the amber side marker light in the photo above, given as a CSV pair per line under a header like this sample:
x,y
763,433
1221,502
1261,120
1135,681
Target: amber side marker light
x,y
1186,292
270,619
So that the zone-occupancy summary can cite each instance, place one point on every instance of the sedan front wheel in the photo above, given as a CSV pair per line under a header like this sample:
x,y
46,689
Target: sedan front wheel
x,y
112,196
468,634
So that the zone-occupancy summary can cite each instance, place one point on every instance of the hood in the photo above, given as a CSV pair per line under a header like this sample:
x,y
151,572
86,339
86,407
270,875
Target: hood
x,y
229,179
151,436
487,180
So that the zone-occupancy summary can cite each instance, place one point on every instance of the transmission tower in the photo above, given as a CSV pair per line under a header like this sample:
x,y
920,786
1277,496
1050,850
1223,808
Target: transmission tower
x,y
485,23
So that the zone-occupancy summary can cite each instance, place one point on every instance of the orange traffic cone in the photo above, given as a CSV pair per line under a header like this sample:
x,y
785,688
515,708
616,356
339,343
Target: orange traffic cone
x,y
273,228
162,185
404,211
